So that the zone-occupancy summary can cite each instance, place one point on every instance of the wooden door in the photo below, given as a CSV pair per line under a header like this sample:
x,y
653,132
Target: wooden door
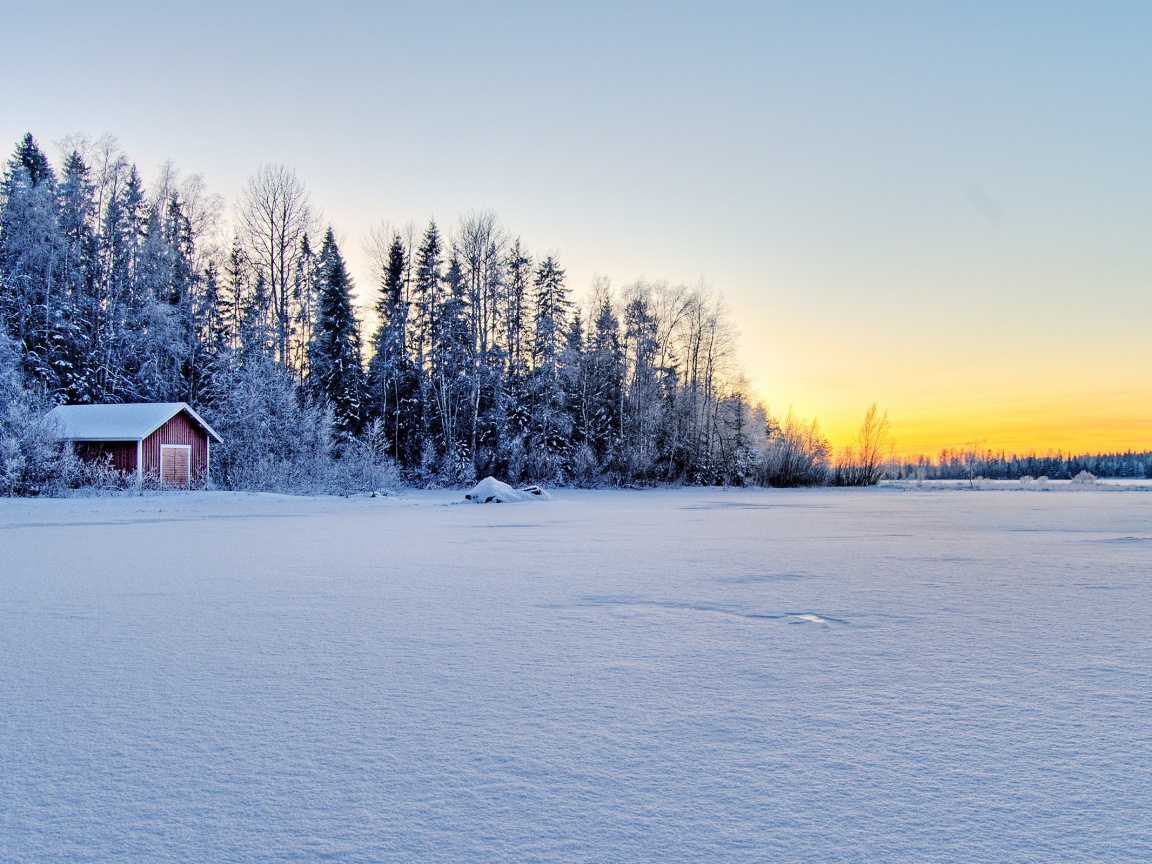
x,y
174,464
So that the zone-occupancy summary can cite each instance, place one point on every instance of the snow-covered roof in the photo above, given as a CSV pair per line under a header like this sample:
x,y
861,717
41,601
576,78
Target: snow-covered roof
x,y
132,422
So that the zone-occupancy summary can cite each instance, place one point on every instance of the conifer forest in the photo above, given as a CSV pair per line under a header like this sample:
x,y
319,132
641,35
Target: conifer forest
x,y
478,359
116,287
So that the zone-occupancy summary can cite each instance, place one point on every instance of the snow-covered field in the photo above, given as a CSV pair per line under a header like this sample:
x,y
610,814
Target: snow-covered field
x,y
658,676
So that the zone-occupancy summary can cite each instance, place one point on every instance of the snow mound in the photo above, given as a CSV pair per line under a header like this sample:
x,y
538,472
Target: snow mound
x,y
492,491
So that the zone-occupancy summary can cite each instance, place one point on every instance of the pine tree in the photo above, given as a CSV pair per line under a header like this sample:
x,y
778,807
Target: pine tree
x,y
427,290
391,374
29,156
33,293
552,307
336,373
305,289
234,295
519,268
450,366
551,424
255,336
605,382
80,327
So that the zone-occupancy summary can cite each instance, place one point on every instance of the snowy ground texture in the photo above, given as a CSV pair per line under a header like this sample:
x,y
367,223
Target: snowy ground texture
x,y
657,676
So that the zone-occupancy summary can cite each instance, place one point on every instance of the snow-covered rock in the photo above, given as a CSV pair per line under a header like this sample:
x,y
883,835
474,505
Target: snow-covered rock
x,y
492,491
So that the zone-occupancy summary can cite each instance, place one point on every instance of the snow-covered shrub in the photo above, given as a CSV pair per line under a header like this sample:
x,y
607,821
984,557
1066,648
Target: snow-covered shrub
x,y
864,463
273,441
32,460
796,455
1084,478
362,464
99,475
586,470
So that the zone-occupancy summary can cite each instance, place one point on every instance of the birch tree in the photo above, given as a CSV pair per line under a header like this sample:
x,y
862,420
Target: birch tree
x,y
275,213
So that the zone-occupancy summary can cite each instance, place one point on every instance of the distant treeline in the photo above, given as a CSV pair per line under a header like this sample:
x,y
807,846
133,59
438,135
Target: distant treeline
x,y
966,464
479,360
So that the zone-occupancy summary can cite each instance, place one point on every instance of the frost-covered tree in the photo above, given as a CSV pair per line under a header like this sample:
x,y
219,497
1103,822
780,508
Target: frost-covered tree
x,y
518,267
80,329
552,307
551,426
449,369
35,301
392,380
32,461
426,291
336,372
273,440
275,213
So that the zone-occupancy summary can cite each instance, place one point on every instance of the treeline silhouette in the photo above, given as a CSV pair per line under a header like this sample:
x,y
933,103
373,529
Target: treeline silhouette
x,y
968,463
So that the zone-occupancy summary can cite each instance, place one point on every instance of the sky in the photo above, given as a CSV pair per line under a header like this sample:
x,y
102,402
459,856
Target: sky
x,y
945,209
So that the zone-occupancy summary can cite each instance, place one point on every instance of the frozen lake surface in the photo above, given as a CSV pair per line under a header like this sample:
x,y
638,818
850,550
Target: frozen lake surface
x,y
661,676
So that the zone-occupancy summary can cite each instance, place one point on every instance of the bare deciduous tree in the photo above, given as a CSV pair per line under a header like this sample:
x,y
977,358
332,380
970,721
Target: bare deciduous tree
x,y
275,214
863,464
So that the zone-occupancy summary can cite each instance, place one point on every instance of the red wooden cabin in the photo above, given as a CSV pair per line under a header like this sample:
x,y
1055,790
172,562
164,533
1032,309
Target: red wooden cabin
x,y
163,440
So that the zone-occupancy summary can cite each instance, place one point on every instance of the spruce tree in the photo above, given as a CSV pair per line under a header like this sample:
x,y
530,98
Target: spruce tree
x,y
79,329
450,366
255,334
335,372
234,295
34,296
519,268
605,382
32,159
552,305
427,290
551,424
388,341
391,375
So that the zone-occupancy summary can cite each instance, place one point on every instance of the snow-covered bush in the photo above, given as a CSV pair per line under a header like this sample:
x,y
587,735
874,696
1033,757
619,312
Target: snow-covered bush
x,y
272,441
275,440
864,463
796,455
32,459
1084,478
362,464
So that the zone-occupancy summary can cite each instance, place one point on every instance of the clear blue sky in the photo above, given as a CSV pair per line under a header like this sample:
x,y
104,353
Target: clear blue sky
x,y
946,208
